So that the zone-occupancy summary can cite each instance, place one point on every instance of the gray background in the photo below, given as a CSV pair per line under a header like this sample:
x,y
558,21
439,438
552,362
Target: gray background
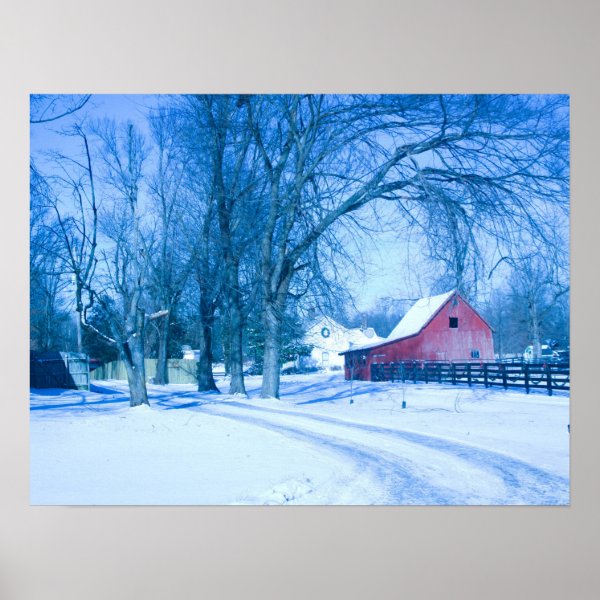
x,y
297,552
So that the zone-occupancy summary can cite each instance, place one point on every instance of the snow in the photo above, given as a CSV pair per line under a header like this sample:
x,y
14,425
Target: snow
x,y
450,445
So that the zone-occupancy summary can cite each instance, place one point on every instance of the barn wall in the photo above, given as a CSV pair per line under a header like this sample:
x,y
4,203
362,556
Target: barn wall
x,y
436,342
439,342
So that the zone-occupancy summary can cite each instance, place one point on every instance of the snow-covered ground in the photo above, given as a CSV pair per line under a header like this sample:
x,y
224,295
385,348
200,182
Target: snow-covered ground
x,y
450,445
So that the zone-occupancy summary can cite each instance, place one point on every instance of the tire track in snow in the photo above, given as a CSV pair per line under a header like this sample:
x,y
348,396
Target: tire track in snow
x,y
525,483
396,475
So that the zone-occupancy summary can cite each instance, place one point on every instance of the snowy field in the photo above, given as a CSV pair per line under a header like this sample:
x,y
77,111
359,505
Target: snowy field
x,y
450,445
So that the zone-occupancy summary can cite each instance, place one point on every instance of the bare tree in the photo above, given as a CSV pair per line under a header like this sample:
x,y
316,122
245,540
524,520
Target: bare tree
x,y
46,108
173,257
127,258
47,277
536,290
209,288
202,232
78,228
223,143
114,278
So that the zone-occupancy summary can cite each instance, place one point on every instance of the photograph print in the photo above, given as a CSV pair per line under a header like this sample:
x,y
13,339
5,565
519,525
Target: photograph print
x,y
251,299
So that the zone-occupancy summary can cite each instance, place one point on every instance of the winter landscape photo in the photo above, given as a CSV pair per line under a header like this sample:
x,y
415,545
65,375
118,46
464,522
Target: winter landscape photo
x,y
299,299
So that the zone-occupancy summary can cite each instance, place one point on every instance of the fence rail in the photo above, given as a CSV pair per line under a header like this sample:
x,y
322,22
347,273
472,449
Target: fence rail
x,y
180,370
547,376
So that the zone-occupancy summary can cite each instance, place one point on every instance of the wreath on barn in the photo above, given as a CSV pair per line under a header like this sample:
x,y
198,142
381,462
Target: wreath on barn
x,y
325,332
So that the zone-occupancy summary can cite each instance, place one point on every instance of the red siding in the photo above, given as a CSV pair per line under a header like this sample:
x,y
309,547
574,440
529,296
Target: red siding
x,y
436,341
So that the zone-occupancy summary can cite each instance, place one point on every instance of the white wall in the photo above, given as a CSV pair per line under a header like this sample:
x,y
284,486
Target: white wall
x,y
326,349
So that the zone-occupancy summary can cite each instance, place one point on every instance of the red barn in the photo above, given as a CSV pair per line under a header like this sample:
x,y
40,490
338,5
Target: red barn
x,y
442,328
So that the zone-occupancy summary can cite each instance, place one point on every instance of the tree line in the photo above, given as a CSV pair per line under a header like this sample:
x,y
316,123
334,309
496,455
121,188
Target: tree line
x,y
236,213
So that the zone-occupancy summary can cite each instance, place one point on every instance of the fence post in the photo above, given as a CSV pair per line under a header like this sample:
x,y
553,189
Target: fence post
x,y
426,367
414,368
469,374
504,381
453,373
485,374
402,372
526,373
439,369
549,379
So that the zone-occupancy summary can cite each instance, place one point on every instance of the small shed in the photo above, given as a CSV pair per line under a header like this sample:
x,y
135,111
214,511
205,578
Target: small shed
x,y
437,328
69,370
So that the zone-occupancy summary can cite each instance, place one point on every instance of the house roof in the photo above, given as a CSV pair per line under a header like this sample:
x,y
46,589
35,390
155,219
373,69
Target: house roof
x,y
419,315
341,336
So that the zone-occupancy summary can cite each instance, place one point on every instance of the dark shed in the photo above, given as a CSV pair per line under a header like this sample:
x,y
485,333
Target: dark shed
x,y
59,370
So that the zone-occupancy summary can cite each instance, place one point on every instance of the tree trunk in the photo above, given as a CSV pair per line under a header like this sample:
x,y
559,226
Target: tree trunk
x,y
231,261
275,299
272,357
206,381
233,303
79,333
233,334
236,360
535,331
132,354
226,344
162,367
46,338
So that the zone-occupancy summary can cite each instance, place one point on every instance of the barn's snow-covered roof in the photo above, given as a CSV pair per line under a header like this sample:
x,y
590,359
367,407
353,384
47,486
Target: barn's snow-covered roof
x,y
418,316
420,313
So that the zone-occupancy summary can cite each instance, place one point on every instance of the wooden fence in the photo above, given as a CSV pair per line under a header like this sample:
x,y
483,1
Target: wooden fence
x,y
180,370
547,376
69,370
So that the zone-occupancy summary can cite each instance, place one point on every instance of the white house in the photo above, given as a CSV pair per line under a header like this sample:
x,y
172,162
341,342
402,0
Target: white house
x,y
329,338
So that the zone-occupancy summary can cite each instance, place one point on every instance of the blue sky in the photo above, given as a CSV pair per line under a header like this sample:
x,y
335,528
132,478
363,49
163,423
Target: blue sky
x,y
121,107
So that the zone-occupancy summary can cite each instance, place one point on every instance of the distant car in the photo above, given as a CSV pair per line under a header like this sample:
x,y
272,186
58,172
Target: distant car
x,y
548,354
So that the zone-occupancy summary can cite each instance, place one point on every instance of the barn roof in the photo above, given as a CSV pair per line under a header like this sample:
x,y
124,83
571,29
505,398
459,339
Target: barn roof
x,y
420,313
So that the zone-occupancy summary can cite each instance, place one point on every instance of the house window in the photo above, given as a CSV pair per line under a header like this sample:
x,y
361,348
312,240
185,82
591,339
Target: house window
x,y
453,322
474,353
325,359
